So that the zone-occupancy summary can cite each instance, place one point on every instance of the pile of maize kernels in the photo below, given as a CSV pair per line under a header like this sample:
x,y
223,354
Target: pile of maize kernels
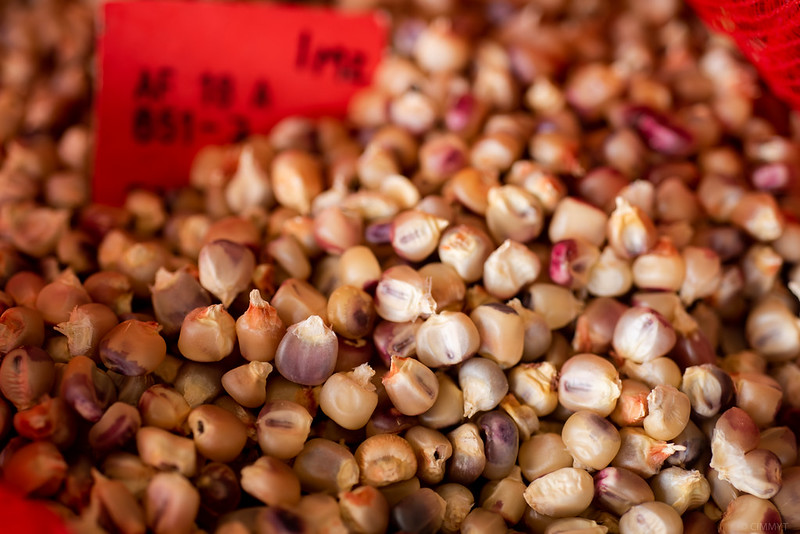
x,y
543,278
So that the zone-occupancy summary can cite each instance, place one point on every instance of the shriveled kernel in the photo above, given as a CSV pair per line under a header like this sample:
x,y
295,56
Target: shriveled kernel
x,y
459,501
385,459
56,300
509,268
447,287
536,384
465,248
682,489
668,412
87,325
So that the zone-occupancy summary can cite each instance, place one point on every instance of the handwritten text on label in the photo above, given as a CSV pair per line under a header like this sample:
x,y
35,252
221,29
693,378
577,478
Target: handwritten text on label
x,y
176,76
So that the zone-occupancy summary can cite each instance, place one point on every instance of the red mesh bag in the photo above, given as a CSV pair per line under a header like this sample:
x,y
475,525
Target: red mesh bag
x,y
767,32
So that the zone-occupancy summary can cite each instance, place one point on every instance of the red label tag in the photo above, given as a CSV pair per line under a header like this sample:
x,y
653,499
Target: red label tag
x,y
176,76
